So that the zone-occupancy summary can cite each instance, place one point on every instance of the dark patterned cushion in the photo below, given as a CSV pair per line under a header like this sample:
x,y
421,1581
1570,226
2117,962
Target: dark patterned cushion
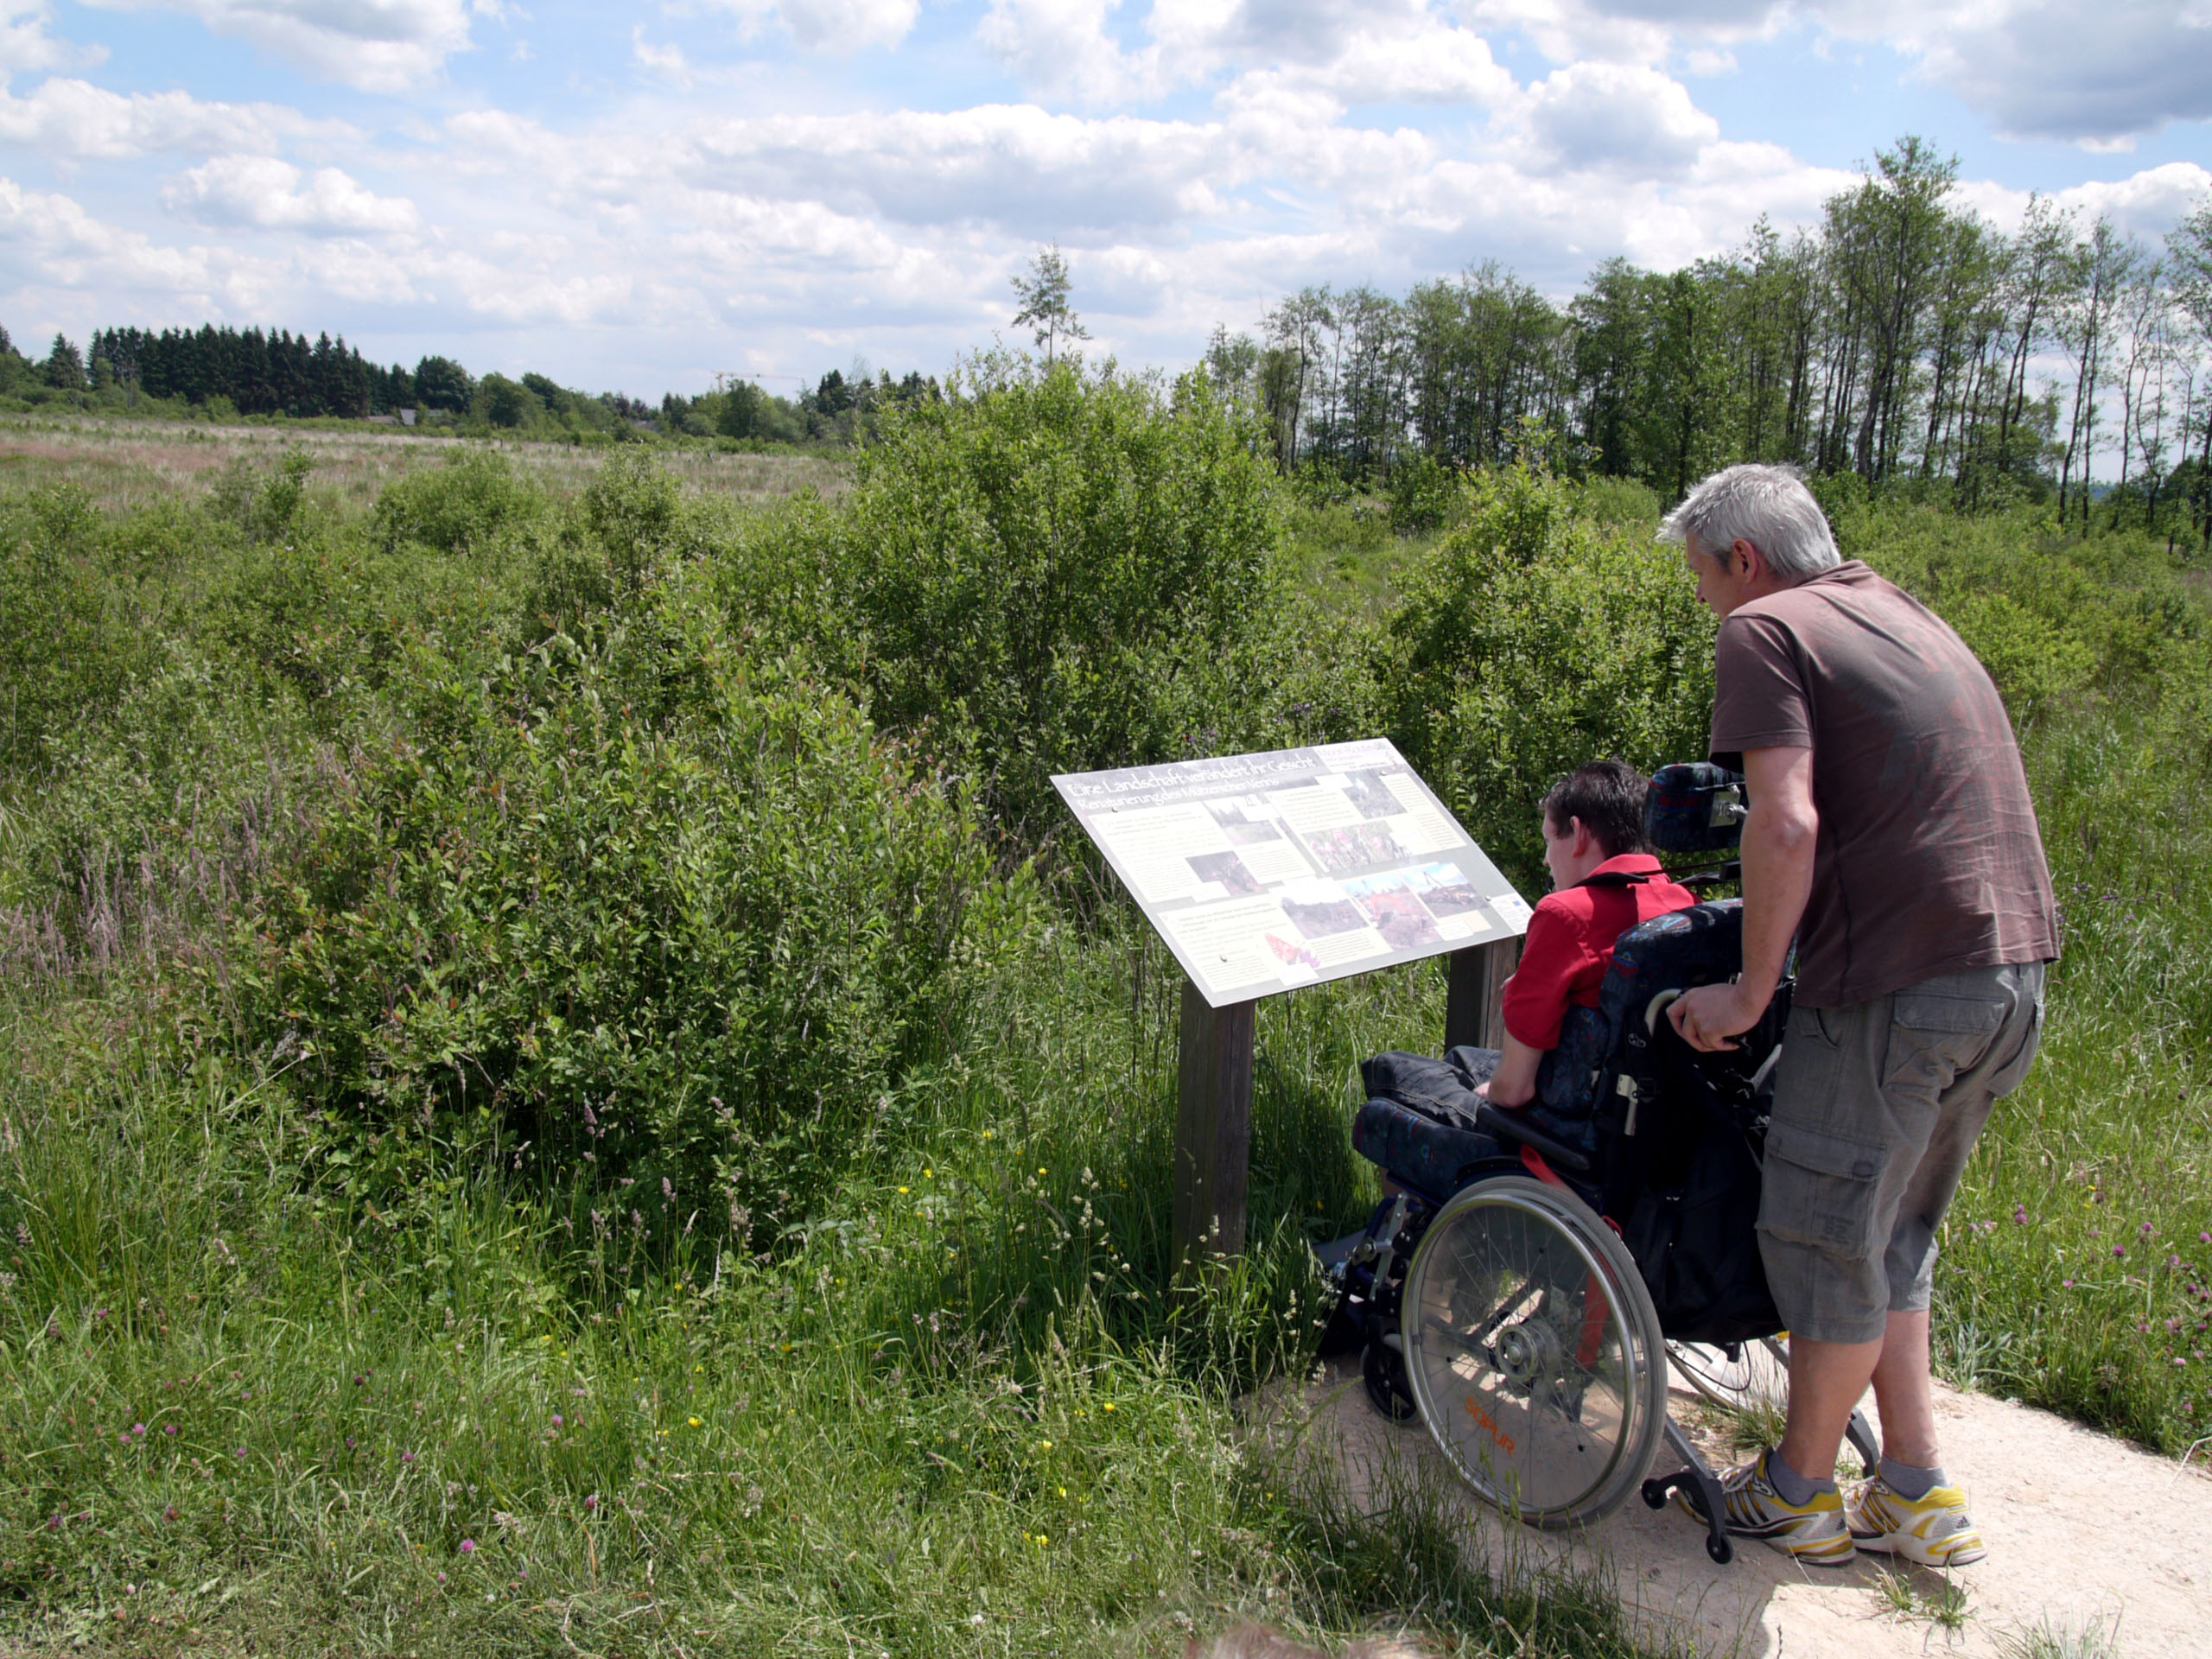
x,y
1417,1150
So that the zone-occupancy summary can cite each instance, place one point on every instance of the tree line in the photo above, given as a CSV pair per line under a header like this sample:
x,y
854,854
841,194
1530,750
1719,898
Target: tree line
x,y
1900,338
253,371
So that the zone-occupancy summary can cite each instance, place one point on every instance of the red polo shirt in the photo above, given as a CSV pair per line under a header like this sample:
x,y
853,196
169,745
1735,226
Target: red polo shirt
x,y
1570,944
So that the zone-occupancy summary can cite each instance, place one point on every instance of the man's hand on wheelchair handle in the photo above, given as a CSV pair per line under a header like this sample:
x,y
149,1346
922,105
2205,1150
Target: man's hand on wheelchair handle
x,y
1707,1017
1779,836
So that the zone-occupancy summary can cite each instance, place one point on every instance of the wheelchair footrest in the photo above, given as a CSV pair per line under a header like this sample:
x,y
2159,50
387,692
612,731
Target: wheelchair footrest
x,y
1660,1488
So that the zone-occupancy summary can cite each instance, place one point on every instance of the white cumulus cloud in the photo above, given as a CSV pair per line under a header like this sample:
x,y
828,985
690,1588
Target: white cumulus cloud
x,y
77,120
269,193
379,45
2087,70
1619,117
26,47
837,26
51,241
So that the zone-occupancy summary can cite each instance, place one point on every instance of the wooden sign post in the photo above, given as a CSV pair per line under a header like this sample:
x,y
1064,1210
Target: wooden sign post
x,y
1474,993
1213,1124
1213,1091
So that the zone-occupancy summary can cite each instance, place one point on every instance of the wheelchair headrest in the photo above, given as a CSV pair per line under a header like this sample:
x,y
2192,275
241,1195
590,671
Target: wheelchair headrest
x,y
1694,807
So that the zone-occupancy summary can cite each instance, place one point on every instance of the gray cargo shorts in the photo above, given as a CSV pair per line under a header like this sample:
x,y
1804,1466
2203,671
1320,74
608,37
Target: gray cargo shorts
x,y
1876,1107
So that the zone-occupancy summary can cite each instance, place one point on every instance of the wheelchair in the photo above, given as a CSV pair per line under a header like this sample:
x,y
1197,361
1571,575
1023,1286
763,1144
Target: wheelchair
x,y
1524,1291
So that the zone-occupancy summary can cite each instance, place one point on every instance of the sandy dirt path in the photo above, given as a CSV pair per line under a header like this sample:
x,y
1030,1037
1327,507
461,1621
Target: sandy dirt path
x,y
2086,1534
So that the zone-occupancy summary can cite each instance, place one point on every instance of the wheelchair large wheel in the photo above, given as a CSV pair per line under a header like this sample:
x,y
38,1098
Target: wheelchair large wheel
x,y
1735,1378
1533,1352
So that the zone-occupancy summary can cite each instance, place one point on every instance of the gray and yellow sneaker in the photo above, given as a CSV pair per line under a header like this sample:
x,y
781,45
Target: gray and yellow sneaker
x,y
1813,1533
1935,1530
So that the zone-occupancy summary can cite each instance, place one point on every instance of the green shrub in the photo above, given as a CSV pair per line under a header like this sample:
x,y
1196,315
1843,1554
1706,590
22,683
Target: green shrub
x,y
2033,660
1424,492
1530,642
702,951
457,507
1626,502
66,646
1048,576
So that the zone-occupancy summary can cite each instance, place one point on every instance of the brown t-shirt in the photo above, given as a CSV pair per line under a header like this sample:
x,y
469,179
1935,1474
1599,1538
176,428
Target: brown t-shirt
x,y
1929,859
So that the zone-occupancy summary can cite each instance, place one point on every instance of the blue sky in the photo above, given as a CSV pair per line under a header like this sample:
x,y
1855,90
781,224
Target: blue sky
x,y
637,198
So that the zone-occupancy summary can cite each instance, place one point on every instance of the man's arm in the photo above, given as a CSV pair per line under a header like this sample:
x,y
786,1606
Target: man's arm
x,y
1779,836
1514,1082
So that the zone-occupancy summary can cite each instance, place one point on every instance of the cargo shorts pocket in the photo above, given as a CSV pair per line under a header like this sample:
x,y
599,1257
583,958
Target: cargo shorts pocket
x,y
1819,1190
1936,1033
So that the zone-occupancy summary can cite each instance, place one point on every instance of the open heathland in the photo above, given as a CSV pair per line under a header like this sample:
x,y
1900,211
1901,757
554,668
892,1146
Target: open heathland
x,y
565,1083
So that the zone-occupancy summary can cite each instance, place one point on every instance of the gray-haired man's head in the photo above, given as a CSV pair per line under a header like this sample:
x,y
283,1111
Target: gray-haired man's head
x,y
1767,507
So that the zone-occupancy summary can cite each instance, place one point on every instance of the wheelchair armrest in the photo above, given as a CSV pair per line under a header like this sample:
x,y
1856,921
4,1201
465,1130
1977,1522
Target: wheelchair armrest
x,y
1509,1126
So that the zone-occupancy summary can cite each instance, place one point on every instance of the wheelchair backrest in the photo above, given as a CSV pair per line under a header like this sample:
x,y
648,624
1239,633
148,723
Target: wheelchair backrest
x,y
1702,945
1649,1071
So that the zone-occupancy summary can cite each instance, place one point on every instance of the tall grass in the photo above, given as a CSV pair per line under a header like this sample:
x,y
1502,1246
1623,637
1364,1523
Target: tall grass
x,y
963,1409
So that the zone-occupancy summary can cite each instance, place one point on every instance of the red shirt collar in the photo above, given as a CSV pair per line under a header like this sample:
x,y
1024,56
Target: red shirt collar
x,y
1627,864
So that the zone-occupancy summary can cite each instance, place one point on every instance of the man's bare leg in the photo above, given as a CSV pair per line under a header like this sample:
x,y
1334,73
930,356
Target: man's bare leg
x,y
1903,1391
1827,1380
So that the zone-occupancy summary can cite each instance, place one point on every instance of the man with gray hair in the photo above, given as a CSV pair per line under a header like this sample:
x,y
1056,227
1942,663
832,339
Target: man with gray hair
x,y
1891,834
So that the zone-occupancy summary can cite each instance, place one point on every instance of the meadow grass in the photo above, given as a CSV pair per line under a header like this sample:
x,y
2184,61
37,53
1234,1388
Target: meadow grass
x,y
123,466
964,1410
257,1387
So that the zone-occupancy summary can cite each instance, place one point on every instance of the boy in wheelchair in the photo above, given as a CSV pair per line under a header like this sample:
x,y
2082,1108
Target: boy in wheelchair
x,y
1604,881
1563,1209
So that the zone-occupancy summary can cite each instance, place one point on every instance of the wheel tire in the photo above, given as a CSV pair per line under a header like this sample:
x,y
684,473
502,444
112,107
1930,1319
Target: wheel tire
x,y
1549,1404
1384,1374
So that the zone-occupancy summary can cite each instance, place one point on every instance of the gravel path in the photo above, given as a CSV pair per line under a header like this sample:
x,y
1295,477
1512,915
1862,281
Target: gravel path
x,y
2088,1536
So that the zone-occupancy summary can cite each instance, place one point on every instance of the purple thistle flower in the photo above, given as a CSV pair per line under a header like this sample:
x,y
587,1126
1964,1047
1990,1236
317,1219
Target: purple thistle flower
x,y
592,1503
239,1453
168,1428
2148,1229
407,1457
137,1428
2120,1252
557,1419
469,1546
2019,1214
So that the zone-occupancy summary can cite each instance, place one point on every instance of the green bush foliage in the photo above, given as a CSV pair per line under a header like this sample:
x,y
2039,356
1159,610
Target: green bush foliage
x,y
1530,641
66,647
1051,574
701,946
1424,494
457,507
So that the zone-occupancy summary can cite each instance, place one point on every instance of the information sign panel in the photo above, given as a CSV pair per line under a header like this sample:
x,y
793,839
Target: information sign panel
x,y
1267,872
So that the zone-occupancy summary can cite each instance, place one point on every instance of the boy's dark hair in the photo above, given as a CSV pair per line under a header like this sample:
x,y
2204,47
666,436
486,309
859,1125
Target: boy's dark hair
x,y
1608,796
